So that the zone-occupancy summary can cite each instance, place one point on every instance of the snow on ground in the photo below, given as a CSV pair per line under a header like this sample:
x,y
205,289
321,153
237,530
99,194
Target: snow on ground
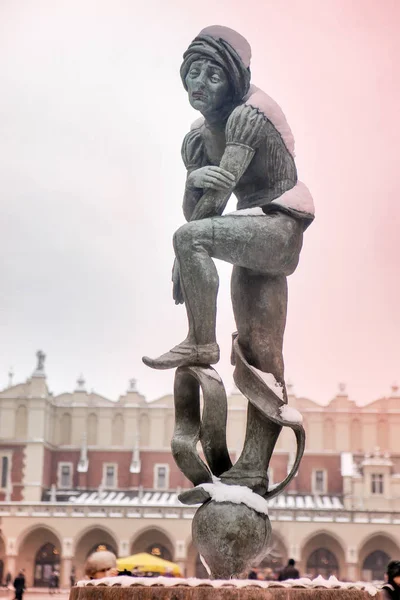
x,y
319,582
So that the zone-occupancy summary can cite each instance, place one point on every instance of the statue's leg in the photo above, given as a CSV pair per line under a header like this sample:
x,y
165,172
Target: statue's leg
x,y
259,303
193,244
266,245
259,297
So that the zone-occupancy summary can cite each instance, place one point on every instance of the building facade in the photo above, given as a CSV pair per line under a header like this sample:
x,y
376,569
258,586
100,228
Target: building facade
x,y
79,471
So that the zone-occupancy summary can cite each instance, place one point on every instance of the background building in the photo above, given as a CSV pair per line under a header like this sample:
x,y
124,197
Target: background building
x,y
79,471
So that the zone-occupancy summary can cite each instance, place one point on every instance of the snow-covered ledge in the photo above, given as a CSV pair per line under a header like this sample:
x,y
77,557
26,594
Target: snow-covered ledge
x,y
161,585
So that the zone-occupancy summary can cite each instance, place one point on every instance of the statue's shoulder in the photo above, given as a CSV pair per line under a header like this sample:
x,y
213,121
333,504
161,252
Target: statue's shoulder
x,y
270,108
193,146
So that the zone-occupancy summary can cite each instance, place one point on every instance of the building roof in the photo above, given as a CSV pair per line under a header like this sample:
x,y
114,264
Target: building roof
x,y
170,498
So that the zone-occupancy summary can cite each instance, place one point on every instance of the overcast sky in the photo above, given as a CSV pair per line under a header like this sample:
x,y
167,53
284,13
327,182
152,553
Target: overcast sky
x,y
92,116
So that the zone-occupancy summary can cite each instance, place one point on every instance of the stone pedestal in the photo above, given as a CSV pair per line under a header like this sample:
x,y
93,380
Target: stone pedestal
x,y
155,589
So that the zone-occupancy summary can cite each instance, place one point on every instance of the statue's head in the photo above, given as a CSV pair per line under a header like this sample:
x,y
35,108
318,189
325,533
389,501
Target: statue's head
x,y
216,69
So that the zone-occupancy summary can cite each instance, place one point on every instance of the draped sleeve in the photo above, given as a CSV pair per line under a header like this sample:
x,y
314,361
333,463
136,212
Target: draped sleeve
x,y
193,152
246,126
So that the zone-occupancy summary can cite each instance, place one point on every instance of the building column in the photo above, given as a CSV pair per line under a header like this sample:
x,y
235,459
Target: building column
x,y
123,549
181,556
11,557
66,562
66,566
352,568
10,566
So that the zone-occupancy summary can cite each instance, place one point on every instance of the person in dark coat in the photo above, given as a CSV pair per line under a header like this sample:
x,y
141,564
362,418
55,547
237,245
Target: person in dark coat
x,y
391,589
8,579
19,585
289,572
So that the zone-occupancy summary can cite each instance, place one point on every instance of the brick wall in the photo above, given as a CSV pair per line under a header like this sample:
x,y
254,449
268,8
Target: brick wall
x,y
301,484
331,463
17,471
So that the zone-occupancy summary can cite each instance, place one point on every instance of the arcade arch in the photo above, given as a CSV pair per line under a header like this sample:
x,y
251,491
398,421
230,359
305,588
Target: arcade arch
x,y
39,551
323,554
194,566
153,541
277,555
89,541
374,566
374,554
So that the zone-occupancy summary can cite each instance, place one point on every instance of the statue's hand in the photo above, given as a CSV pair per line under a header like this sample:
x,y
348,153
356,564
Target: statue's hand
x,y
176,285
211,177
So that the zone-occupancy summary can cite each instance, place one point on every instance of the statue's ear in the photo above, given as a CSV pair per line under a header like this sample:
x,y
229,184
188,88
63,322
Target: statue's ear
x,y
196,495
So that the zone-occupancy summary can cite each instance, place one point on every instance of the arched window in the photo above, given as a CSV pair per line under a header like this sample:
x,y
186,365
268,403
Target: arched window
x,y
322,562
65,430
355,435
46,561
160,551
21,422
118,430
92,430
329,434
144,430
374,566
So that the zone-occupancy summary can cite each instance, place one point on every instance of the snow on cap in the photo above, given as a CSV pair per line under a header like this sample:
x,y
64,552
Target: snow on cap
x,y
234,39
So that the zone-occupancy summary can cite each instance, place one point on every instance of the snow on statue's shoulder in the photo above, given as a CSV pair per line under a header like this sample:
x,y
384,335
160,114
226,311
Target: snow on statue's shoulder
x,y
271,109
197,123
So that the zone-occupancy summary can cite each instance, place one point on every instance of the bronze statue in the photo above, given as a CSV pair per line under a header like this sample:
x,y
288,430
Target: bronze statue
x,y
241,145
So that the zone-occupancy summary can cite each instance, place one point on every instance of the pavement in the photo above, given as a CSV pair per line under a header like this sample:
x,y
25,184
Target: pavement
x,y
37,594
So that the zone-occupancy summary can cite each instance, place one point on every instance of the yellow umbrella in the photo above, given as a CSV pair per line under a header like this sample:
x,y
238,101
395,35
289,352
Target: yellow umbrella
x,y
148,563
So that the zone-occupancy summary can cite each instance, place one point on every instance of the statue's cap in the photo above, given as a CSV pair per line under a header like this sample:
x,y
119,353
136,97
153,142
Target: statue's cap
x,y
234,39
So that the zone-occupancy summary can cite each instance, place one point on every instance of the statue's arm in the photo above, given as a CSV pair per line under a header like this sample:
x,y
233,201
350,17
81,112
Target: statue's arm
x,y
245,130
202,178
191,197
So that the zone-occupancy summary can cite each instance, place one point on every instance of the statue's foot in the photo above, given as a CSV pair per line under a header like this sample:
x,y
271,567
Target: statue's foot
x,y
185,355
257,481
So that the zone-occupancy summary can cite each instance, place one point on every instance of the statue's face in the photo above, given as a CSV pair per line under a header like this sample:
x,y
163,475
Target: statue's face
x,y
208,86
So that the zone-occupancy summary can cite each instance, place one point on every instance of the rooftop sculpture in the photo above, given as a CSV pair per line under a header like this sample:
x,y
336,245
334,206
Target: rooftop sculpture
x,y
241,145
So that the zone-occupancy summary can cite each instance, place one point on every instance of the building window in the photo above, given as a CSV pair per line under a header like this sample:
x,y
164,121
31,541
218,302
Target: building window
x,y
4,465
319,481
110,476
161,477
377,483
65,475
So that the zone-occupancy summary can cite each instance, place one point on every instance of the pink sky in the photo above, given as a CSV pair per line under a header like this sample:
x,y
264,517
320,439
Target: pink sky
x,y
93,114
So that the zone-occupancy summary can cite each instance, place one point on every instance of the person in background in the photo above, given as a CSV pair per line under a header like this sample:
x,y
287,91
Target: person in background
x,y
168,572
8,579
253,573
19,585
391,589
289,572
72,577
101,564
268,574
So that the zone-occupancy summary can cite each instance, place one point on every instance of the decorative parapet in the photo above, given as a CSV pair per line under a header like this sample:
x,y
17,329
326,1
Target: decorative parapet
x,y
45,510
